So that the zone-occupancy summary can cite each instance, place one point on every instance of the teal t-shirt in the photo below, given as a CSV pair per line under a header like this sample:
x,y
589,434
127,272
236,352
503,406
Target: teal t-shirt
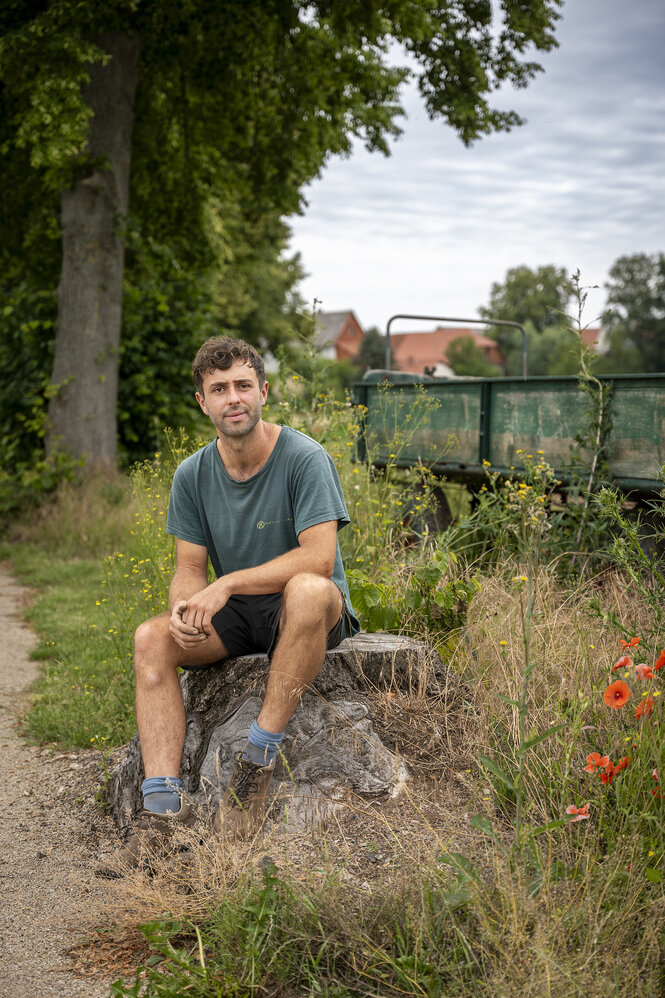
x,y
244,524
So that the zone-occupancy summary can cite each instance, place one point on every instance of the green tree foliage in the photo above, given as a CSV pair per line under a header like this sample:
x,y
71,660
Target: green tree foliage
x,y
372,352
526,295
635,317
237,106
467,359
555,351
167,314
166,317
253,283
538,299
26,347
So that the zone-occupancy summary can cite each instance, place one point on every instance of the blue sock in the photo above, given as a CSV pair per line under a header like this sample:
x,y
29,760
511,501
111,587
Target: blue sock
x,y
161,794
262,745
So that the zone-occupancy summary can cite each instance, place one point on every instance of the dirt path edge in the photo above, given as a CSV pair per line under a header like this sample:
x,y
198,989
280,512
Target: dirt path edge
x,y
50,834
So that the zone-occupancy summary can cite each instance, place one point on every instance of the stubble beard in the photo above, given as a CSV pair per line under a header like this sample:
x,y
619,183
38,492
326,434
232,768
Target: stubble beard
x,y
235,431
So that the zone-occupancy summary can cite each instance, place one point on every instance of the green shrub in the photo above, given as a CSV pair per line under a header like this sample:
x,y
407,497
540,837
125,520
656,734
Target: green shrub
x,y
417,599
533,510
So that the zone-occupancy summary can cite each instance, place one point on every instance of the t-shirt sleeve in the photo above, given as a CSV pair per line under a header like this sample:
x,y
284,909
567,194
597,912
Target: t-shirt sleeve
x,y
317,495
183,518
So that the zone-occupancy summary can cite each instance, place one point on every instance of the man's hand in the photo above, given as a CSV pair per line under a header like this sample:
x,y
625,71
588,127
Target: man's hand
x,y
182,633
198,610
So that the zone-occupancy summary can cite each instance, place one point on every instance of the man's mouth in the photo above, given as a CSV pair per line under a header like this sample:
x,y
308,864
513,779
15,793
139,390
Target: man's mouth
x,y
235,415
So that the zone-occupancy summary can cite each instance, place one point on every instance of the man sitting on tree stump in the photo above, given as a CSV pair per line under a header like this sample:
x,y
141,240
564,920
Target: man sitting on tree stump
x,y
263,502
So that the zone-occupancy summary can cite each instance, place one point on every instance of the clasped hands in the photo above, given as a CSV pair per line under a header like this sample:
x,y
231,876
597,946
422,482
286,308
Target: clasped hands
x,y
191,619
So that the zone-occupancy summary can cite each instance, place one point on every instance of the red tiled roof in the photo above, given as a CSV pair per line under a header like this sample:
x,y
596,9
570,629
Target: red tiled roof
x,y
415,351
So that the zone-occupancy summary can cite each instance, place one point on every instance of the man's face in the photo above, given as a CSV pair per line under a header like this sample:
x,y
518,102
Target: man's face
x,y
233,399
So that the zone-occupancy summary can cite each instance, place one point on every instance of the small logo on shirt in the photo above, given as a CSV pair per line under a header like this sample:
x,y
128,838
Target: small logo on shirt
x,y
269,523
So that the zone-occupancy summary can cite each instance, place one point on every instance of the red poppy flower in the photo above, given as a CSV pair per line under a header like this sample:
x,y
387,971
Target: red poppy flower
x,y
624,663
661,661
616,694
606,777
580,813
621,764
643,671
644,707
633,643
596,761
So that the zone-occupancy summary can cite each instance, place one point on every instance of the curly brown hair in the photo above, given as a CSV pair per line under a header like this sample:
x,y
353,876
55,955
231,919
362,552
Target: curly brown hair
x,y
221,352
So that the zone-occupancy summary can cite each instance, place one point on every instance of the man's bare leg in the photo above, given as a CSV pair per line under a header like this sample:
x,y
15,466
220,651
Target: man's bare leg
x,y
160,712
160,716
312,607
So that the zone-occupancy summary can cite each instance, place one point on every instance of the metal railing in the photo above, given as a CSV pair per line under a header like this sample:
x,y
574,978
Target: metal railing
x,y
446,318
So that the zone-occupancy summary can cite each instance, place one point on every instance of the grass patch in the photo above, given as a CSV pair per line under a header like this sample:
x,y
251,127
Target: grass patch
x,y
85,692
88,518
268,919
436,894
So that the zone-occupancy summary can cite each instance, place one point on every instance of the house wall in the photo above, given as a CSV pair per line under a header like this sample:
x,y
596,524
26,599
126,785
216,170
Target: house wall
x,y
350,338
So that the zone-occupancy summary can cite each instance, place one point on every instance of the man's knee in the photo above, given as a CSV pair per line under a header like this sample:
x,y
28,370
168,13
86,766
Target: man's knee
x,y
312,596
152,644
151,632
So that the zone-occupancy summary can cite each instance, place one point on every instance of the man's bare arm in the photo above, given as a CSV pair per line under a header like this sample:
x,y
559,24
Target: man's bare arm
x,y
190,577
191,573
315,554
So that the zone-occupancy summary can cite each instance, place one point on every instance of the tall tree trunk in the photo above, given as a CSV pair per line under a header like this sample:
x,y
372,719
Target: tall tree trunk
x,y
83,408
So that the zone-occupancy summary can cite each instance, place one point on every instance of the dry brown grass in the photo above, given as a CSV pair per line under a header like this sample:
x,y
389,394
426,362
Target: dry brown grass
x,y
88,518
359,844
572,938
575,937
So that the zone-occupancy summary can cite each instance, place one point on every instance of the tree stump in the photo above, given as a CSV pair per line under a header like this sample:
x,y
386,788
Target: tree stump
x,y
330,749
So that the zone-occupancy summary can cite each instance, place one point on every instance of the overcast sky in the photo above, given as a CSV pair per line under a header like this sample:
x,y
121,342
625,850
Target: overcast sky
x,y
429,229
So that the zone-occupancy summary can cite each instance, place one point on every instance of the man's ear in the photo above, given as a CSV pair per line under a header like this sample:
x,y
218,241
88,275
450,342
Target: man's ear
x,y
202,402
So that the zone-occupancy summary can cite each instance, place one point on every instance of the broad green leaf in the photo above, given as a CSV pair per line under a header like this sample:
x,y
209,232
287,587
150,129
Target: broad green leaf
x,y
460,863
513,703
559,823
540,738
484,825
454,899
496,771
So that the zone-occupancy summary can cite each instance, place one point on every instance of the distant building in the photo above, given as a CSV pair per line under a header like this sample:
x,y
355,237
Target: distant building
x,y
417,351
338,335
595,339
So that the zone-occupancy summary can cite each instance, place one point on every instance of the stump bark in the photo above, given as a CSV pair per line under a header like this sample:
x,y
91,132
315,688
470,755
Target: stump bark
x,y
330,750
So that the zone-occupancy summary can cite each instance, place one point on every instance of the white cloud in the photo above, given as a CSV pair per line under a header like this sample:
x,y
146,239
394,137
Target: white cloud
x,y
430,228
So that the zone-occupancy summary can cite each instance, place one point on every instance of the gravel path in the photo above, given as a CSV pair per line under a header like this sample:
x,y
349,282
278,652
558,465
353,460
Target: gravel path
x,y
50,832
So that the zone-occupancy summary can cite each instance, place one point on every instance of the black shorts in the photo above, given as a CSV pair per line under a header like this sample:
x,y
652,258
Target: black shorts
x,y
250,624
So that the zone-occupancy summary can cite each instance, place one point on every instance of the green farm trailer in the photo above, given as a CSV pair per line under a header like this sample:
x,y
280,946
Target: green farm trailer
x,y
500,420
